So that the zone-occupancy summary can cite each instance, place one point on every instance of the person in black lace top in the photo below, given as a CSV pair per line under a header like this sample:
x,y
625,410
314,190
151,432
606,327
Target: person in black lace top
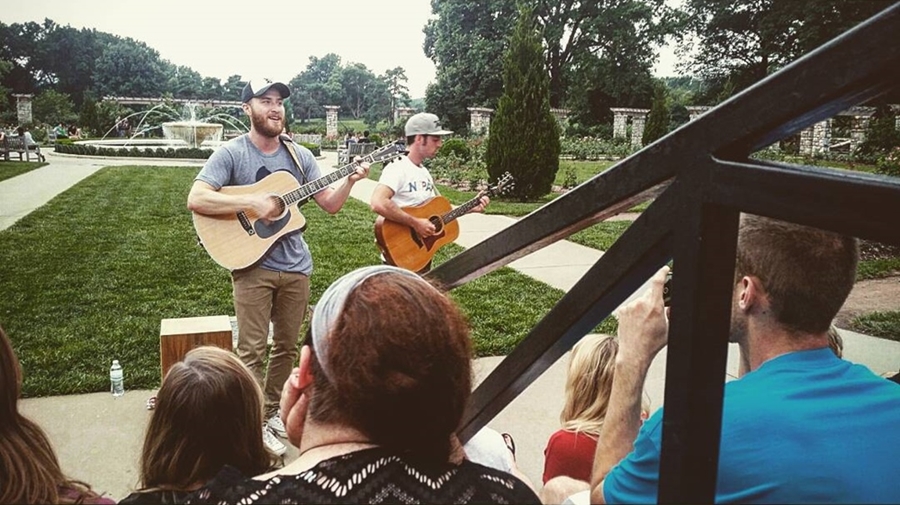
x,y
375,403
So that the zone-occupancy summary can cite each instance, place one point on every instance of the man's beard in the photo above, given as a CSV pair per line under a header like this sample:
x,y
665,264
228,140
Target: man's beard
x,y
263,126
738,330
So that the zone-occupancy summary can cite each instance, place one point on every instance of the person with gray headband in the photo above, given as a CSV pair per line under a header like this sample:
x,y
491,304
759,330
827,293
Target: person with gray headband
x,y
375,403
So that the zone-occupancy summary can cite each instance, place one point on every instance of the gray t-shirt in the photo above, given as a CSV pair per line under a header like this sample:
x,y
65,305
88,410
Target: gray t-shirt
x,y
238,163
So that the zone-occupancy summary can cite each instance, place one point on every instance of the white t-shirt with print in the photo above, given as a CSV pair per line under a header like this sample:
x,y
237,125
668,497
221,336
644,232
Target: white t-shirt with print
x,y
412,184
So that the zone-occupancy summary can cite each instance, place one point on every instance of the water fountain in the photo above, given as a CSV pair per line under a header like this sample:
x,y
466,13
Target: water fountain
x,y
180,131
192,131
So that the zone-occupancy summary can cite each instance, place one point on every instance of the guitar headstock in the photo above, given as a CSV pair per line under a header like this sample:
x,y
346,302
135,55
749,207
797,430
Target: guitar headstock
x,y
386,153
503,184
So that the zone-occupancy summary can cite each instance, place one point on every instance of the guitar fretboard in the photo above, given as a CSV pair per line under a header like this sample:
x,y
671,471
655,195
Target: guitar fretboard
x,y
307,190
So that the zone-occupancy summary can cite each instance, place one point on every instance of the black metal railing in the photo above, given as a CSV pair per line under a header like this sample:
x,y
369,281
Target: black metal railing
x,y
701,177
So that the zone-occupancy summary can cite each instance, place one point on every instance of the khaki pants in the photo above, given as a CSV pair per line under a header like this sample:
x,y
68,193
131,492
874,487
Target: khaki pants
x,y
261,296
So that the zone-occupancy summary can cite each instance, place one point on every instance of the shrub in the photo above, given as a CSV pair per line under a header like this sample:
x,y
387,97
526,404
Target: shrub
x,y
314,148
890,163
456,146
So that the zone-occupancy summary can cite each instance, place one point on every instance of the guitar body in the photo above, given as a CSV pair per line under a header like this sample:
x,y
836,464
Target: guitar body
x,y
238,240
403,247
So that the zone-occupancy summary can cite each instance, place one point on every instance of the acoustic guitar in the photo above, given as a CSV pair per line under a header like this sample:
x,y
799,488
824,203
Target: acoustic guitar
x,y
239,240
403,247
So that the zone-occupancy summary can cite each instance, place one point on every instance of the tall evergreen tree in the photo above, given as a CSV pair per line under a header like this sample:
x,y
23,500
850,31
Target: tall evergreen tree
x,y
658,119
524,136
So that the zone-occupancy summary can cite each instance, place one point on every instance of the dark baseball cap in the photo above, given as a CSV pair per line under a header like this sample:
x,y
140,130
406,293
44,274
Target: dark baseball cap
x,y
258,87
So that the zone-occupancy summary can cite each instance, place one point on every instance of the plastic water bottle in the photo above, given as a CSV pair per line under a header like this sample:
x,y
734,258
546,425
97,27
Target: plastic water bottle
x,y
116,379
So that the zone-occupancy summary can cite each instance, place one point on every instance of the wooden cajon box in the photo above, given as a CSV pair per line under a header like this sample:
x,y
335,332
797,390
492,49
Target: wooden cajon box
x,y
178,336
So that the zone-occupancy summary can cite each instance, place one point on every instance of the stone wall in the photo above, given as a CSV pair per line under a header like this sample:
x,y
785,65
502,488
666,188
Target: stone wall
x,y
637,118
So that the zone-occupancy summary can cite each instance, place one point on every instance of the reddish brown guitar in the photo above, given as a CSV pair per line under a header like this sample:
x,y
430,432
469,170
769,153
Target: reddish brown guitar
x,y
403,247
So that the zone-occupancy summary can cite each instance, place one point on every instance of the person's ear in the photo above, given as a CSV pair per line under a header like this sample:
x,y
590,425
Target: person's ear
x,y
305,378
751,293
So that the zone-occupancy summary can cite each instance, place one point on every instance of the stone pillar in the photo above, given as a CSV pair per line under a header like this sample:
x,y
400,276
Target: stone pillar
x,y
401,114
816,139
23,109
858,131
638,121
331,121
620,122
696,111
562,117
480,120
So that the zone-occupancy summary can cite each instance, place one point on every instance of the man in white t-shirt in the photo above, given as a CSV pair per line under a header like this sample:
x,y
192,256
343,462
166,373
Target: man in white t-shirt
x,y
405,182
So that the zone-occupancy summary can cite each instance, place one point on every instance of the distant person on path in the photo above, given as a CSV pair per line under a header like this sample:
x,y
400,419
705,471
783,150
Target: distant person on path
x,y
406,182
375,404
275,289
29,469
802,426
208,414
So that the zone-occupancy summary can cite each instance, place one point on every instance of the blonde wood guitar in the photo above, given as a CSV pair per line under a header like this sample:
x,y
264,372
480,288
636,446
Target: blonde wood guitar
x,y
238,240
403,247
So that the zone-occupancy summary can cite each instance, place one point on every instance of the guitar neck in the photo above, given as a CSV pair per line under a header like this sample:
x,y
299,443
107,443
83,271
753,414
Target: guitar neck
x,y
462,209
309,189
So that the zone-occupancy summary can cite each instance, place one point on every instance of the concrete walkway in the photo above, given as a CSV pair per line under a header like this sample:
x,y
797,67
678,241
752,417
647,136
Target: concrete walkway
x,y
98,438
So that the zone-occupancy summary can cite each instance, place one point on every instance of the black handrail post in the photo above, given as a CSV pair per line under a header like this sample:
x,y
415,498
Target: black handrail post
x,y
702,282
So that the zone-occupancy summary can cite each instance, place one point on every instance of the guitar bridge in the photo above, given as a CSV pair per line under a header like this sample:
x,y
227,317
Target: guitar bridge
x,y
245,223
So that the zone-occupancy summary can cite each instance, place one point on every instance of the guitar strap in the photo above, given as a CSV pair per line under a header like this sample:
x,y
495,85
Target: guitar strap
x,y
289,144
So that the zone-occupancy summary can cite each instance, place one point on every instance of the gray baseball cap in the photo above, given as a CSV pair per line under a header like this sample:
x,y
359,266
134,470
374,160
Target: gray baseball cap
x,y
424,123
258,87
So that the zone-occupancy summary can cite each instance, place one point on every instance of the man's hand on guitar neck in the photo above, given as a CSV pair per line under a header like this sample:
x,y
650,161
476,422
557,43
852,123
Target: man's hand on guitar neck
x,y
485,201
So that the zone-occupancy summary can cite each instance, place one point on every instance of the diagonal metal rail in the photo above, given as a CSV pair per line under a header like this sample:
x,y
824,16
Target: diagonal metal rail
x,y
702,178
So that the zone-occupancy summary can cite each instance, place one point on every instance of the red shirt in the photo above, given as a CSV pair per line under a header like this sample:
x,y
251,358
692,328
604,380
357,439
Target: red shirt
x,y
570,455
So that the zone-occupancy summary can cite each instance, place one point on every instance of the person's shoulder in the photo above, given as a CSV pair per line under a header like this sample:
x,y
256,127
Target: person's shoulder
x,y
228,486
501,486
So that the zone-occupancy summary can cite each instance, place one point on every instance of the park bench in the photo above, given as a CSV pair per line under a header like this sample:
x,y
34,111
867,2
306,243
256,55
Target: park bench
x,y
15,145
353,150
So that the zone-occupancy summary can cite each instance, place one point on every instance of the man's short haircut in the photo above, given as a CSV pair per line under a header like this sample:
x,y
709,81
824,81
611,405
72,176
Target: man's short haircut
x,y
807,273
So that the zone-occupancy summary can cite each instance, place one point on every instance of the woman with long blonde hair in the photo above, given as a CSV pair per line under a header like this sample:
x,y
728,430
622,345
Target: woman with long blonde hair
x,y
29,469
570,450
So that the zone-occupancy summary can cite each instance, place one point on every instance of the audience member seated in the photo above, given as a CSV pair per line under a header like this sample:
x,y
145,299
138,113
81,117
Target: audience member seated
x,y
570,450
207,415
29,469
375,404
29,142
802,426
495,450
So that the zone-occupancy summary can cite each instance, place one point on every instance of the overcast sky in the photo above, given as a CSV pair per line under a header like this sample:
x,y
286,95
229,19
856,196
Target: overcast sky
x,y
271,39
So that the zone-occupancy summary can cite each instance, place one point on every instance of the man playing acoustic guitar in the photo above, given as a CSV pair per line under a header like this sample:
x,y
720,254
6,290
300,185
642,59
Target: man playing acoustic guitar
x,y
406,183
276,288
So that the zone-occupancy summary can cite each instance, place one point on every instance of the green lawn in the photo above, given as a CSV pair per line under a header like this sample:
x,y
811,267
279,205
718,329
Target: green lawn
x,y
878,324
89,276
10,169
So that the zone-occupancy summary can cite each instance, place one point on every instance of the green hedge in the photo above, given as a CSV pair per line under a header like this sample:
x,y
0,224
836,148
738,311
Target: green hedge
x,y
134,152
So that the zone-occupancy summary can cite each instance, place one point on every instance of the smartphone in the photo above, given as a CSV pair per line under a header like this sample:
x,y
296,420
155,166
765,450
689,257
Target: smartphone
x,y
667,290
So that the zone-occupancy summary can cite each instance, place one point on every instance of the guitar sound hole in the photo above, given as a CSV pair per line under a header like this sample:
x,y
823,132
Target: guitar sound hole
x,y
280,206
438,224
